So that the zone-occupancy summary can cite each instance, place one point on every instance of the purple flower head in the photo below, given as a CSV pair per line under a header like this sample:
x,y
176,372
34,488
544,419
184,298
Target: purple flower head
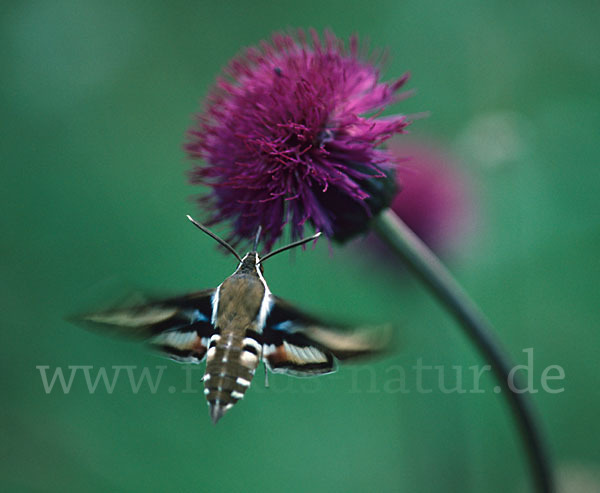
x,y
291,133
435,201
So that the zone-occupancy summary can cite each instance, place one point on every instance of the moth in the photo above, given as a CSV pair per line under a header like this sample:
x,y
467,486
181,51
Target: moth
x,y
236,326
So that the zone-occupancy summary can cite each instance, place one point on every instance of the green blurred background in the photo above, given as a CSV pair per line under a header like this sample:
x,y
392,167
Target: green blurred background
x,y
96,97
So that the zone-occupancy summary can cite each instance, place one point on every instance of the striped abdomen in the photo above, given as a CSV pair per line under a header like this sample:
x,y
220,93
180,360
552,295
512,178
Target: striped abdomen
x,y
231,361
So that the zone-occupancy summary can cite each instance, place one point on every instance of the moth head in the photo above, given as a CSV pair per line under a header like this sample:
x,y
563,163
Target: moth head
x,y
250,264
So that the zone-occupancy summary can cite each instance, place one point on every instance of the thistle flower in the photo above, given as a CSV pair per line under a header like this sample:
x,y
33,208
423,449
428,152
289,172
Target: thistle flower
x,y
292,133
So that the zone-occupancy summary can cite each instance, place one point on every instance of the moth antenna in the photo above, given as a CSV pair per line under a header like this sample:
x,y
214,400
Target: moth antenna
x,y
291,245
257,239
214,237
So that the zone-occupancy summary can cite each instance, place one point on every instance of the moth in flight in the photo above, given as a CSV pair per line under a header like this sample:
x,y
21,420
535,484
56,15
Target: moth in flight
x,y
235,326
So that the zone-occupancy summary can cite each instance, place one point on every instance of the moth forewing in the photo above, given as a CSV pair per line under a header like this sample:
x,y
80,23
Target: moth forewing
x,y
179,326
353,343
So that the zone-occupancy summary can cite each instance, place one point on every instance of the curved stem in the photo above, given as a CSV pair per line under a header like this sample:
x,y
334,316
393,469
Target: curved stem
x,y
439,280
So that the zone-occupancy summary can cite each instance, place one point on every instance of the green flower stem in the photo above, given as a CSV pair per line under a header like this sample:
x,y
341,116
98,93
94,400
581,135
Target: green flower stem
x,y
439,280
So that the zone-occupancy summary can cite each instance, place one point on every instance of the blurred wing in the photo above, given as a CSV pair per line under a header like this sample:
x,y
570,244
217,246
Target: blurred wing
x,y
298,344
181,327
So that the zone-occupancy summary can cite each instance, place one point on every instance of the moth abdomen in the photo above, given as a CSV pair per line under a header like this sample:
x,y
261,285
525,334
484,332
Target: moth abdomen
x,y
231,361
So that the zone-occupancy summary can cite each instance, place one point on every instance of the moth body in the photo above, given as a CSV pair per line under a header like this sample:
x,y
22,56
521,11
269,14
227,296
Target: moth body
x,y
240,306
